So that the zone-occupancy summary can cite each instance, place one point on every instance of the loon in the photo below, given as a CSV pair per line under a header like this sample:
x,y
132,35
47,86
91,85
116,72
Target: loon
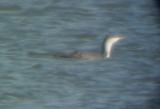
x,y
107,45
105,53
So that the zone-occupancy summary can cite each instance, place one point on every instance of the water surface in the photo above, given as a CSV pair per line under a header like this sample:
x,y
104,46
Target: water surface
x,y
129,80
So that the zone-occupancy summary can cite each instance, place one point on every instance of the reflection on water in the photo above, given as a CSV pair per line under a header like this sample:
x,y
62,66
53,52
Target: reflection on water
x,y
129,80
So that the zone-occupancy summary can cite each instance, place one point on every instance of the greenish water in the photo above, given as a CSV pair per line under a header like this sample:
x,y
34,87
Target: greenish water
x,y
129,80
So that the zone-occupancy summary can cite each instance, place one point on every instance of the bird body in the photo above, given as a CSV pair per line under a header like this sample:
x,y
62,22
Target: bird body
x,y
83,55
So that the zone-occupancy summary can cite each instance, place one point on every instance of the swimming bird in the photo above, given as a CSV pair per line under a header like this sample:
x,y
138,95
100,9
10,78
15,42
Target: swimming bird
x,y
105,53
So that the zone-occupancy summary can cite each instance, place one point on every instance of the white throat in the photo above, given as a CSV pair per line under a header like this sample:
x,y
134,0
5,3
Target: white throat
x,y
108,45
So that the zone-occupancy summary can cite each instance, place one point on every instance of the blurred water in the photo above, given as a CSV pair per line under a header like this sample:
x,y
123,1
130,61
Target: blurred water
x,y
129,80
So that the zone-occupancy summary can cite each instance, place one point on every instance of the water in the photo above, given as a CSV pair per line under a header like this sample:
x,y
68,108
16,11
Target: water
x,y
129,80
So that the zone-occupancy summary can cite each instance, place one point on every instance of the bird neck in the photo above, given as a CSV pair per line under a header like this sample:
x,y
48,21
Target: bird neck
x,y
108,44
107,48
104,49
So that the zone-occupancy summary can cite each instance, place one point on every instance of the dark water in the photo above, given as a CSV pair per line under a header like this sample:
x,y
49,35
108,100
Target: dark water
x,y
129,80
